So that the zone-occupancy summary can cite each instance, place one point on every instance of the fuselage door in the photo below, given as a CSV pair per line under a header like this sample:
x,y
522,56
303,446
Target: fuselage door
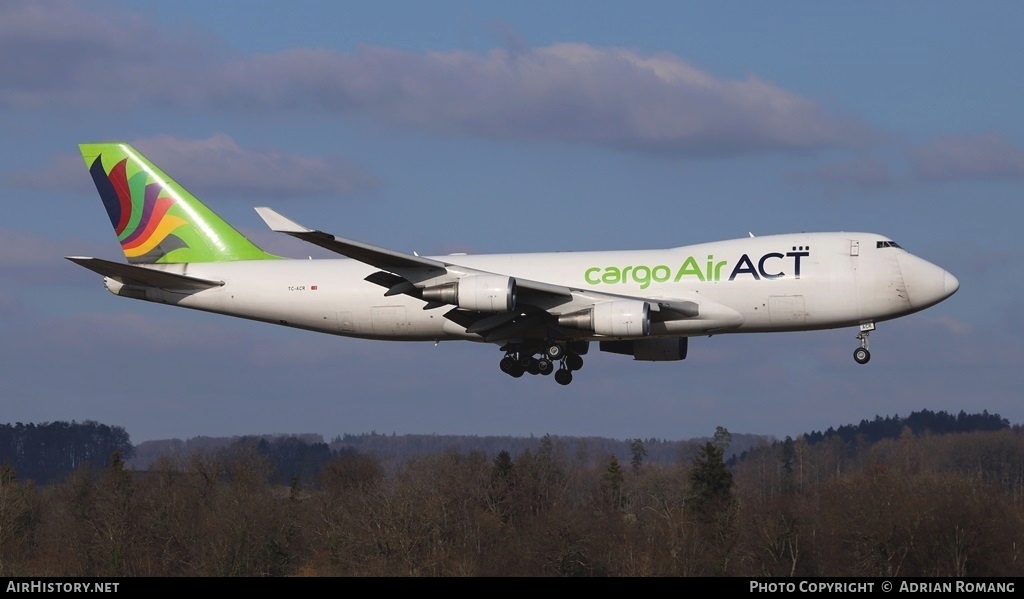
x,y
787,310
389,321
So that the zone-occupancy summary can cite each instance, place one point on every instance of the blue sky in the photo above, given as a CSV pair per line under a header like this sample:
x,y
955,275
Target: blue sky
x,y
497,127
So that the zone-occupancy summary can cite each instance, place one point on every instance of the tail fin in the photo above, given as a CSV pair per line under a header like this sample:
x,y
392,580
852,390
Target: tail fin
x,y
156,220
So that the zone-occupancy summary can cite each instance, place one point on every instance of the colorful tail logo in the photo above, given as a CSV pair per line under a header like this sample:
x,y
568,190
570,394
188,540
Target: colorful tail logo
x,y
156,220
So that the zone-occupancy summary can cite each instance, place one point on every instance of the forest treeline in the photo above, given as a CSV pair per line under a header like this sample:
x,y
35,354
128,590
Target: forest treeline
x,y
924,421
393,449
917,504
300,455
53,450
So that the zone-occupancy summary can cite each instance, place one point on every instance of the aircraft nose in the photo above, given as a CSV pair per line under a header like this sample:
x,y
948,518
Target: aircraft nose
x,y
927,284
950,283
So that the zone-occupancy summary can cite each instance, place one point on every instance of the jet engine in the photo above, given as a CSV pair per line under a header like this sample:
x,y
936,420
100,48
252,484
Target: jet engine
x,y
482,293
624,318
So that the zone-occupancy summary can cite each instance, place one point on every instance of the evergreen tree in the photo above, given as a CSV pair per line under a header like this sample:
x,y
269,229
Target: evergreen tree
x,y
788,457
502,467
723,438
612,480
636,447
710,482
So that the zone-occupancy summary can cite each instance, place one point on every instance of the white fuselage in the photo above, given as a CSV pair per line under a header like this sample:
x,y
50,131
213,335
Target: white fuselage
x,y
758,284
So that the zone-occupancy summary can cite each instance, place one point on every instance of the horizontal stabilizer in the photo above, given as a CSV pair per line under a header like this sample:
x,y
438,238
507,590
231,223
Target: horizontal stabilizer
x,y
139,275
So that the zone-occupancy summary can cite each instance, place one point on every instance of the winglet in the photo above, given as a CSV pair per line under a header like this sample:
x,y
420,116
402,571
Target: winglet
x,y
280,223
370,254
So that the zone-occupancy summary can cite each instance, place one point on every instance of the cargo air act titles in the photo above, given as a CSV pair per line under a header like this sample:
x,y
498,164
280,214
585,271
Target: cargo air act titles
x,y
773,265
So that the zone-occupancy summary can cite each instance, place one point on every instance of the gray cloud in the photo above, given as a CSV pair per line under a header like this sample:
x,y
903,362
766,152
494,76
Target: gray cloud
x,y
30,261
948,158
566,92
220,166
982,156
57,52
24,250
862,172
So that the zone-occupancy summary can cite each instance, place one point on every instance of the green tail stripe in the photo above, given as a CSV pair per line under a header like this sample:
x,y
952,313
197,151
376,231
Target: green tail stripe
x,y
156,220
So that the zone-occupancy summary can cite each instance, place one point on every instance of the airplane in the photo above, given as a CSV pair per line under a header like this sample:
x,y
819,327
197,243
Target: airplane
x,y
540,309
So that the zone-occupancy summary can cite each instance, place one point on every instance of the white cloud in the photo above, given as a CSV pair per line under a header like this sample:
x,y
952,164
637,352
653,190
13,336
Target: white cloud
x,y
58,52
218,165
564,92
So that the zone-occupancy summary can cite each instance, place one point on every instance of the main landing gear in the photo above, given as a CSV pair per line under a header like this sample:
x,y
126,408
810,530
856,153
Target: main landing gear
x,y
541,360
861,355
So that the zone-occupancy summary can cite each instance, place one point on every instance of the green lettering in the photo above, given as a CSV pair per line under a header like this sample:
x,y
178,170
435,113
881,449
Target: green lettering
x,y
657,270
645,278
586,276
689,268
718,270
611,275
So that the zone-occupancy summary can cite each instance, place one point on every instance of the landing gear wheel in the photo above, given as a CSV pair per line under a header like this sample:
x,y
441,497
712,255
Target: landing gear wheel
x,y
534,367
511,367
861,355
545,366
573,362
563,377
554,351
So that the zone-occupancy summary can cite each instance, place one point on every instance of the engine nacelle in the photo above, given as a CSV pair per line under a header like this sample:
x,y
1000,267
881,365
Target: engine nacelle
x,y
482,293
662,349
625,318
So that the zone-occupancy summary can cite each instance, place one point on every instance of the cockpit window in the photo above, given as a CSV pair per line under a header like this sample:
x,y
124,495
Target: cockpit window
x,y
887,244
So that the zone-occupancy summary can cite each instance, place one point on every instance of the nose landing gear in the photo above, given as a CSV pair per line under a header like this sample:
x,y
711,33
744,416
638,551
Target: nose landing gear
x,y
861,355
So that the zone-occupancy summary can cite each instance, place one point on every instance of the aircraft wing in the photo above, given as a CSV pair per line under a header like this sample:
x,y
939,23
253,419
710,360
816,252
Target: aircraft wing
x,y
390,260
374,256
138,275
408,274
